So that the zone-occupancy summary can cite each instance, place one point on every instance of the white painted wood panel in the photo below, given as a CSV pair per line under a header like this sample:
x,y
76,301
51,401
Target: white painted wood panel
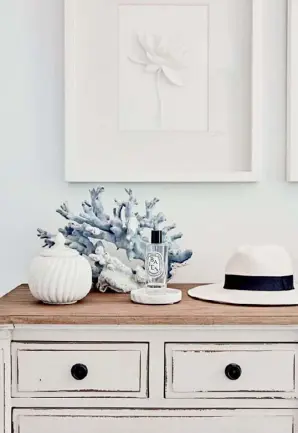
x,y
192,369
5,379
277,421
2,386
161,333
248,401
114,370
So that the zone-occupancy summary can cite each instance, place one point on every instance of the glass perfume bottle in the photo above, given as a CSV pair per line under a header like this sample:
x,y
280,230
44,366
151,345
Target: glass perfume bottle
x,y
156,264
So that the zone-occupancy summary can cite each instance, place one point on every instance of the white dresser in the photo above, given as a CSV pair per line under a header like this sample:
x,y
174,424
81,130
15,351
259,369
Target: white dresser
x,y
107,365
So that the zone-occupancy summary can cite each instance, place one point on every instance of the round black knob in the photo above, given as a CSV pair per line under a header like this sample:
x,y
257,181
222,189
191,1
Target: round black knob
x,y
79,371
233,371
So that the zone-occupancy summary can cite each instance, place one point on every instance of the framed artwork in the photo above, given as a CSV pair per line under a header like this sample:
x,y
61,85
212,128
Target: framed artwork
x,y
163,91
292,112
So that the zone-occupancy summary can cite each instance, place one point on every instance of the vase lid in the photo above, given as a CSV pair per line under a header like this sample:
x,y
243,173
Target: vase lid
x,y
59,249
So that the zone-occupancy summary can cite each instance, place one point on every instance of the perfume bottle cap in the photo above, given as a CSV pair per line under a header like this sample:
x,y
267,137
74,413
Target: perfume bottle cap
x,y
156,237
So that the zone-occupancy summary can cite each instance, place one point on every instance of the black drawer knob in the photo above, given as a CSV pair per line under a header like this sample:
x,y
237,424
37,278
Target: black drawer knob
x,y
79,371
233,371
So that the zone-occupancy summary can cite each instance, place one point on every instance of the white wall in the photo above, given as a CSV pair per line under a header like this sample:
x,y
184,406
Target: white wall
x,y
215,218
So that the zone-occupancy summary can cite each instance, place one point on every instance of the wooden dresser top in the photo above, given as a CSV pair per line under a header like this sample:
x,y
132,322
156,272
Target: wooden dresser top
x,y
19,307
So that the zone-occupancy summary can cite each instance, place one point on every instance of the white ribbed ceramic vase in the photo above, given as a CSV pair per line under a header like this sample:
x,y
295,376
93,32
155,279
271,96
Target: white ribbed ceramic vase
x,y
60,275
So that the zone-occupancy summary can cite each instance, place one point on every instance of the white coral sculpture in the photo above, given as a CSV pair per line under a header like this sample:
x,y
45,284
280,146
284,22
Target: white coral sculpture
x,y
92,230
161,57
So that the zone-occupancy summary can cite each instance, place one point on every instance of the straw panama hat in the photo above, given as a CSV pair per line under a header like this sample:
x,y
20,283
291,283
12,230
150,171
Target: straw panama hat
x,y
254,275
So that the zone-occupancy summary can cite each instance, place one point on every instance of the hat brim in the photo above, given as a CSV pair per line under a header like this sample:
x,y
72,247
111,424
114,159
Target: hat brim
x,y
216,293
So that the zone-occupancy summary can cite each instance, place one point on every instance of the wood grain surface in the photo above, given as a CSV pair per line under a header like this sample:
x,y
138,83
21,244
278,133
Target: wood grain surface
x,y
19,307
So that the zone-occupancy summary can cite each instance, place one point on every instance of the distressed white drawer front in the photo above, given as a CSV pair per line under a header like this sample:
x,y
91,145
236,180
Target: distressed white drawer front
x,y
119,421
195,369
114,370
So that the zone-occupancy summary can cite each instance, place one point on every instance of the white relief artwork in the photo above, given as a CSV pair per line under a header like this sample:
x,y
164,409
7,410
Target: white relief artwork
x,y
161,57
209,107
163,68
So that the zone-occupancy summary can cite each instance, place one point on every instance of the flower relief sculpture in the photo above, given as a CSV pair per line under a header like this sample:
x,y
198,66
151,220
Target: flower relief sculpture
x,y
161,57
91,231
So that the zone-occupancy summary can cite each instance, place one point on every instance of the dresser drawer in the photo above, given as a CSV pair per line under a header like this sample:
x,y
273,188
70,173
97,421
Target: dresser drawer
x,y
157,421
100,370
194,369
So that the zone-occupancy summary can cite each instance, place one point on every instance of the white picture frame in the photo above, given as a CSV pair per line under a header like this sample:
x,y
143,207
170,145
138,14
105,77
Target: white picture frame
x,y
101,159
292,92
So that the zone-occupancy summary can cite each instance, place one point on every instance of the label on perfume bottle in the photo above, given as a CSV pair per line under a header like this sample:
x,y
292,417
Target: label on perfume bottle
x,y
154,265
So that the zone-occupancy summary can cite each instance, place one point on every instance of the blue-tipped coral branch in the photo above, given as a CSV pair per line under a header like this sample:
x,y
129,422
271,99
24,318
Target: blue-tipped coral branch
x,y
91,229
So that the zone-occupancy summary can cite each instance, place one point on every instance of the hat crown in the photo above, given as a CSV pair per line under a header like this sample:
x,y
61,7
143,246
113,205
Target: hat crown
x,y
266,260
